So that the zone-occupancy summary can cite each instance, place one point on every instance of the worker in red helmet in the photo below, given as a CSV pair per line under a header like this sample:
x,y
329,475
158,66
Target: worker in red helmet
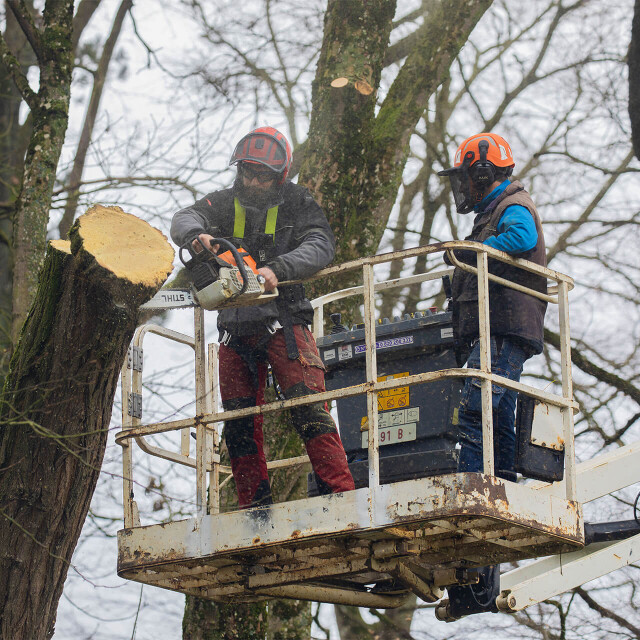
x,y
506,219
287,234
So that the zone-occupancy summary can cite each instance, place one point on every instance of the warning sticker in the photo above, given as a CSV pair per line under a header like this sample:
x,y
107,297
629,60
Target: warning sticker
x,y
398,417
396,398
345,351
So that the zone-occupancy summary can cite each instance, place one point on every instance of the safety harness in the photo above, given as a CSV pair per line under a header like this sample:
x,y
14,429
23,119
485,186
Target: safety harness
x,y
241,216
287,295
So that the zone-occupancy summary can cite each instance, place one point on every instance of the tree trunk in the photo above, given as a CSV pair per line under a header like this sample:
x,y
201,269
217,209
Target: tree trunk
x,y
206,620
339,167
56,404
49,110
355,158
14,140
13,144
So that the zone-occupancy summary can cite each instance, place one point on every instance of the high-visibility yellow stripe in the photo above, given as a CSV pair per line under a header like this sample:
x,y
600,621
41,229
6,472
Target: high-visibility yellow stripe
x,y
270,225
238,224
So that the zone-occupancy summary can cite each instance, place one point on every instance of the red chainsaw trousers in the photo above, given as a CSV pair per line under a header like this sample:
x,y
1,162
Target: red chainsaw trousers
x,y
241,388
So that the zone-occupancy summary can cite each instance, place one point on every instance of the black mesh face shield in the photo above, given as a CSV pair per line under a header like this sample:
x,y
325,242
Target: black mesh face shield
x,y
461,184
461,191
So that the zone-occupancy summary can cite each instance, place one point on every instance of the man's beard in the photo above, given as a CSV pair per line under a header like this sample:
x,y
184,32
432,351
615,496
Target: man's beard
x,y
256,197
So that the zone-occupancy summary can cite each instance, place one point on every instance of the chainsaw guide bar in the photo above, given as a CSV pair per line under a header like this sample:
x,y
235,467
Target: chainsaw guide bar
x,y
171,299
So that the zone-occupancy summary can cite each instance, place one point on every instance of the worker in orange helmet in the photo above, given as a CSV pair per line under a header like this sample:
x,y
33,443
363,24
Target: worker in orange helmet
x,y
286,232
506,219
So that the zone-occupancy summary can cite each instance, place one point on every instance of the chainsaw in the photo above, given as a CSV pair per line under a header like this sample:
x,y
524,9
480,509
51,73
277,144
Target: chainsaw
x,y
230,279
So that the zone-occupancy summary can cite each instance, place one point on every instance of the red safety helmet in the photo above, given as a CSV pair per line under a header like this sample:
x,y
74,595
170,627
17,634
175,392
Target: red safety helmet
x,y
477,162
266,146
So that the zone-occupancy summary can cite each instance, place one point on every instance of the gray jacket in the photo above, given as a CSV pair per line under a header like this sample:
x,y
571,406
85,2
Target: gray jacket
x,y
302,244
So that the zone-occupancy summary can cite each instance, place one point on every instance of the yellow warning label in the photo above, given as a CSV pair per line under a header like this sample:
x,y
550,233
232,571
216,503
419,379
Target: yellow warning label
x,y
397,398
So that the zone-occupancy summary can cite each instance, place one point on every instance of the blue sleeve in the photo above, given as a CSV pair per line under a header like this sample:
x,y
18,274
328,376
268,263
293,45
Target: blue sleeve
x,y
517,231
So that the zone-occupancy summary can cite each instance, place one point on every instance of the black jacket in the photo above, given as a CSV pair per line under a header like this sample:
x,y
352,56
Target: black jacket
x,y
303,244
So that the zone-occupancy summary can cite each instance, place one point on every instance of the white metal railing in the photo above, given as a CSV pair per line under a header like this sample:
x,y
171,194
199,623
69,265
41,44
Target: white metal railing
x,y
207,458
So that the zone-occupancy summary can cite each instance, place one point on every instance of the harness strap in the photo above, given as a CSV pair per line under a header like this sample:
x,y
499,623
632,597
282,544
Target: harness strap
x,y
238,224
270,224
248,355
287,328
241,217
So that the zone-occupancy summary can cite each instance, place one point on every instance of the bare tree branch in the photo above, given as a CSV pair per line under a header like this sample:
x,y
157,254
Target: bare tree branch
x,y
24,18
19,78
90,119
607,613
582,362
84,13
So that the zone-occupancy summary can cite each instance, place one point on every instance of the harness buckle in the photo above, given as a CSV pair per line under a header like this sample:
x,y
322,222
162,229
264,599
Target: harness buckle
x,y
226,337
273,326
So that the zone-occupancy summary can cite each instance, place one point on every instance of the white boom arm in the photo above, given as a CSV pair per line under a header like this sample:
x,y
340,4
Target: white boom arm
x,y
551,576
548,577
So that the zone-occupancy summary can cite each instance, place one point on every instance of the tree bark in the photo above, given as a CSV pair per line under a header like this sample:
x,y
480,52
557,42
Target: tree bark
x,y
50,109
206,620
14,140
56,404
12,149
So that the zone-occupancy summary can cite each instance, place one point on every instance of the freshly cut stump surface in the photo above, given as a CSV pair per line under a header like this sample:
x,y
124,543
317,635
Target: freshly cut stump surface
x,y
123,247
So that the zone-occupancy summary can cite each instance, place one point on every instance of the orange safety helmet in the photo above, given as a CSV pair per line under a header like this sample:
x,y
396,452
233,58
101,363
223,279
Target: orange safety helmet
x,y
266,146
478,160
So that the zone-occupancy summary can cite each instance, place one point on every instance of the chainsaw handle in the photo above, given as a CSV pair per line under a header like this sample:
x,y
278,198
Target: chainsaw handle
x,y
197,256
206,255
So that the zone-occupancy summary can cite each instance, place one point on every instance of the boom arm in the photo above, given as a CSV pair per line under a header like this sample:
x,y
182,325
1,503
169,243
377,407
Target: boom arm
x,y
548,577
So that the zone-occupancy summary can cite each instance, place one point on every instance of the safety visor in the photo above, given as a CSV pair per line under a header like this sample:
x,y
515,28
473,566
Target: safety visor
x,y
261,148
460,184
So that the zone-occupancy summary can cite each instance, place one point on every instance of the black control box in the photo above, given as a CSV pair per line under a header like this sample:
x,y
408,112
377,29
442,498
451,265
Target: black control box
x,y
417,424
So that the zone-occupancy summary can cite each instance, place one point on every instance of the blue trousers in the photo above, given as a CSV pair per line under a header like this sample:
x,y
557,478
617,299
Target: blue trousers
x,y
507,360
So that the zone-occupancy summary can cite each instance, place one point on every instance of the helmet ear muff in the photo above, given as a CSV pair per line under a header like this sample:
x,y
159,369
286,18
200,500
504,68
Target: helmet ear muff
x,y
482,172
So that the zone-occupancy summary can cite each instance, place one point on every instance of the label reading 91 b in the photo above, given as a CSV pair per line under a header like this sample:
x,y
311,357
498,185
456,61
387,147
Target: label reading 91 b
x,y
395,426
392,435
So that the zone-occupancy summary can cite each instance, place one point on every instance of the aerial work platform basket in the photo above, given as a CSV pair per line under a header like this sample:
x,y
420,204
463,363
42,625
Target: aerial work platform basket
x,y
373,546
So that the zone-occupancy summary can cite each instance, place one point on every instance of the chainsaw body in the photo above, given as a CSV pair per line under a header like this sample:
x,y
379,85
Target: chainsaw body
x,y
230,279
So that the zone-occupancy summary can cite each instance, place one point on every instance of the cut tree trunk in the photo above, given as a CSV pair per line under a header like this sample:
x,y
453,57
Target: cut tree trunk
x,y
56,404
